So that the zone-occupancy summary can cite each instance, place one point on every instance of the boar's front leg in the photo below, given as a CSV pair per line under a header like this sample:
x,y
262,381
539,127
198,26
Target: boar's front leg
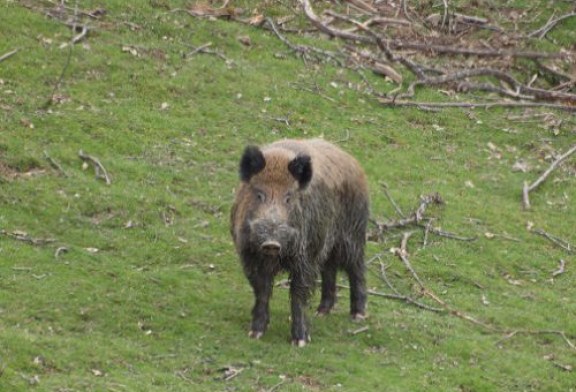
x,y
299,295
261,282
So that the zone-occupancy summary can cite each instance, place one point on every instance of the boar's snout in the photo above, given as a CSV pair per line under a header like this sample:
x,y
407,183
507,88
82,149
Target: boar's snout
x,y
271,248
271,237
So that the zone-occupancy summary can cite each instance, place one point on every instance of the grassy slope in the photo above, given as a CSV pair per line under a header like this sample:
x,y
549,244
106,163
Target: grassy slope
x,y
163,304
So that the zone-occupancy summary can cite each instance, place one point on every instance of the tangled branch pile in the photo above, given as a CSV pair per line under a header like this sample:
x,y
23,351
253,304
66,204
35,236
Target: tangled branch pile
x,y
448,50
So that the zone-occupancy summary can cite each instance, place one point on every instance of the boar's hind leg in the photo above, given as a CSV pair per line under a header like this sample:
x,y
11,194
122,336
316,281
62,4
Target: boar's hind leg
x,y
328,298
356,275
262,286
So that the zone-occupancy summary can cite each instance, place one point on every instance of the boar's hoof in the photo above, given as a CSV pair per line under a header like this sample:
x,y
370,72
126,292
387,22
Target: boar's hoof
x,y
321,311
271,248
255,334
358,316
300,342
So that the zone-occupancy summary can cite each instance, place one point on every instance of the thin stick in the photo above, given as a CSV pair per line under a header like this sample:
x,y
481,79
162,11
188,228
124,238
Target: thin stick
x,y
25,237
406,298
558,241
54,164
391,200
81,35
360,330
8,55
561,269
397,297
99,169
481,105
303,50
199,49
447,234
403,45
529,188
414,218
542,31
445,15
562,334
402,253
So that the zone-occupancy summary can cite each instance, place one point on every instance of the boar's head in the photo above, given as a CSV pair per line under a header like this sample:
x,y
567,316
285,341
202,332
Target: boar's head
x,y
273,183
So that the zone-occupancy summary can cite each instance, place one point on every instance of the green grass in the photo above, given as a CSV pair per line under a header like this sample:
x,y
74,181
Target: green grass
x,y
162,305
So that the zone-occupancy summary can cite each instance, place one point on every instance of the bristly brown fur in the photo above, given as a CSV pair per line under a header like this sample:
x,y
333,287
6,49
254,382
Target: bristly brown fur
x,y
304,211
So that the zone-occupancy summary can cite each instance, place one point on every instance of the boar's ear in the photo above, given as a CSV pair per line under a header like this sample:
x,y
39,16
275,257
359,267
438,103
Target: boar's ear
x,y
301,168
252,163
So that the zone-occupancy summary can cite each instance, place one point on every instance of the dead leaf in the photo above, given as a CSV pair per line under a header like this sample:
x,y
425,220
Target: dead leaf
x,y
27,123
513,282
520,166
256,20
245,40
130,49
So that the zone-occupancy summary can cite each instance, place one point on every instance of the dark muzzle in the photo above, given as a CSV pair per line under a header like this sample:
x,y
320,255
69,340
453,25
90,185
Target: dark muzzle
x,y
270,248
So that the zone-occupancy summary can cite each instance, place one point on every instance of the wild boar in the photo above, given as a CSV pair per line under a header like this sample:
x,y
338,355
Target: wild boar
x,y
302,206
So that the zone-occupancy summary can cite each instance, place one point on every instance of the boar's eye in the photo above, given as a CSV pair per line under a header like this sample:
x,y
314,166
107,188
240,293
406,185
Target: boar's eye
x,y
261,196
288,198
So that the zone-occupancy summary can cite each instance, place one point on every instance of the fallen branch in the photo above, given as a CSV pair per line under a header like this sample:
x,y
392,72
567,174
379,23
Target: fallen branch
x,y
561,269
59,251
204,49
25,237
402,253
303,50
529,188
562,334
396,207
200,48
447,234
80,36
478,105
54,164
542,31
8,55
405,298
558,241
99,169
414,218
396,297
396,44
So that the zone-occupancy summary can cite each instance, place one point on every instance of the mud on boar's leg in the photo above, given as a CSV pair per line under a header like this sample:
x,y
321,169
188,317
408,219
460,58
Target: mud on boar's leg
x,y
357,291
299,295
328,297
262,285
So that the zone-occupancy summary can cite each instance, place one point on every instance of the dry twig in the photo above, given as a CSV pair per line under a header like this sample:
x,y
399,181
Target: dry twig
x,y
542,31
362,33
304,50
99,169
561,269
402,253
558,241
8,55
415,217
25,237
54,164
530,187
562,334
